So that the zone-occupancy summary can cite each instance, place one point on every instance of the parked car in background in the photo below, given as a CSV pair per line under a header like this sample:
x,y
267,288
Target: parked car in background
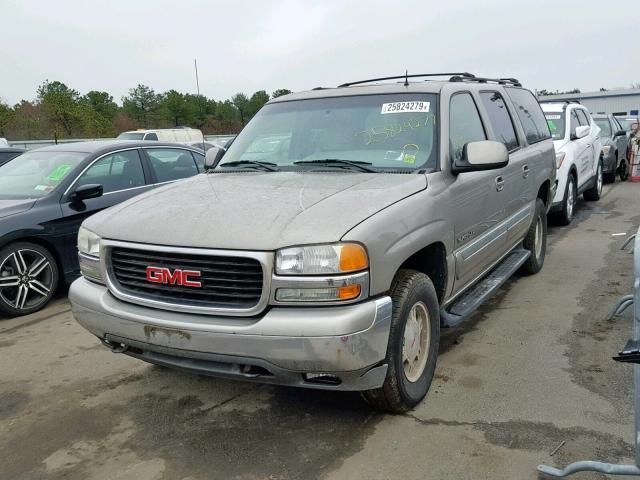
x,y
45,194
614,147
383,213
629,124
180,135
578,147
9,153
219,141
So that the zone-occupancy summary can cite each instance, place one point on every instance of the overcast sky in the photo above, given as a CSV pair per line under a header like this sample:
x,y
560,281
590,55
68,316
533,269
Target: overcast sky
x,y
249,45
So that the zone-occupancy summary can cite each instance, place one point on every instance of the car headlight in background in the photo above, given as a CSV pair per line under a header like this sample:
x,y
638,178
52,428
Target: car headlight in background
x,y
321,274
89,255
605,149
559,159
321,259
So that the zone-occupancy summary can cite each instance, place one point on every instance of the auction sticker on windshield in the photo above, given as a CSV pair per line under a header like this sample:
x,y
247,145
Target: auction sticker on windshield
x,y
404,107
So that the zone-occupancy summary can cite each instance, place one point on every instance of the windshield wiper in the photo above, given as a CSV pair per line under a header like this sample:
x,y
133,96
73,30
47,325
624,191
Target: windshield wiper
x,y
268,166
327,162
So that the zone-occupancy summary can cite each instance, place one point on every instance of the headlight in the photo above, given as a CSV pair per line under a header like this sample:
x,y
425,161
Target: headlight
x,y
605,149
321,259
89,255
88,242
559,159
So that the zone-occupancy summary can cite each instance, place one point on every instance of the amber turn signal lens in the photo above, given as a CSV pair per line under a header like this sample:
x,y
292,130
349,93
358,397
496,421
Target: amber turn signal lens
x,y
353,257
345,293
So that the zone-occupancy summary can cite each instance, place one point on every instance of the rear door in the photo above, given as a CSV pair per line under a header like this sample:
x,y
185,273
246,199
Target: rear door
x,y
169,164
122,177
478,210
518,182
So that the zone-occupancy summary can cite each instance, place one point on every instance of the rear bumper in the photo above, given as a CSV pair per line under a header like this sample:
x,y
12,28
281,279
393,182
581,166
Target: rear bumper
x,y
346,343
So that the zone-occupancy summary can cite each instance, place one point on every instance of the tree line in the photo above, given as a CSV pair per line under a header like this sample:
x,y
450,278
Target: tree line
x,y
59,111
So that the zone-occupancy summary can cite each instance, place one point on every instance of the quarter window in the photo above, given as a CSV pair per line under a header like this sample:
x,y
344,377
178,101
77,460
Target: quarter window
x,y
151,136
573,122
464,124
530,114
500,119
171,163
582,117
118,171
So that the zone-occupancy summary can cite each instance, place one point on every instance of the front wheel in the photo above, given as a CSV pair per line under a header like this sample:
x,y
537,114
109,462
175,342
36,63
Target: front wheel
x,y
594,192
28,278
412,350
623,170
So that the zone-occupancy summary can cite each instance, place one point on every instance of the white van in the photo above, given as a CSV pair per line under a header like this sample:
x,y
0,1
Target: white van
x,y
180,135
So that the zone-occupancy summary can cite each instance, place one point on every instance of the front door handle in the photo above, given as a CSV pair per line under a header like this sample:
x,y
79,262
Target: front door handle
x,y
499,183
525,171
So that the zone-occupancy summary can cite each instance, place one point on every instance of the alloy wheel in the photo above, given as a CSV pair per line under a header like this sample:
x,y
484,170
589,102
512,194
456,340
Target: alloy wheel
x,y
599,179
416,339
26,279
538,238
571,199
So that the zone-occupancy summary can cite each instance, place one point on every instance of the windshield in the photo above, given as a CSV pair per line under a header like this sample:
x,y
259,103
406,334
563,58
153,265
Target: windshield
x,y
556,124
131,135
36,174
603,123
392,132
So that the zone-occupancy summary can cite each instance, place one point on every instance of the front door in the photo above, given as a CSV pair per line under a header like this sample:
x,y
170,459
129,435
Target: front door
x,y
479,210
121,176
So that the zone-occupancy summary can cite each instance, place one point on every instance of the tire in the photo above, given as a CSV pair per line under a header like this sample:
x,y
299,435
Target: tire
x,y
404,387
593,194
610,177
536,241
623,170
565,215
28,278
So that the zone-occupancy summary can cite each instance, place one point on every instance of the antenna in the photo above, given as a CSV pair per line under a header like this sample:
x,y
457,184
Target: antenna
x,y
195,64
406,78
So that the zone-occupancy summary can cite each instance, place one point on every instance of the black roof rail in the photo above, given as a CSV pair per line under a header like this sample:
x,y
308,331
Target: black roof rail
x,y
465,75
501,81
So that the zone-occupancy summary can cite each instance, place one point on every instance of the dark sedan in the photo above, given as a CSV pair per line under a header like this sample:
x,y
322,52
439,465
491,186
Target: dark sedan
x,y
9,153
45,195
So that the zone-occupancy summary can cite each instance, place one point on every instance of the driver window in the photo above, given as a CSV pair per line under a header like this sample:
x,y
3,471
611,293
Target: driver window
x,y
118,171
464,124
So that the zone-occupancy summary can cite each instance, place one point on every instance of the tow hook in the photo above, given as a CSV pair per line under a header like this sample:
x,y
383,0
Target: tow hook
x,y
114,347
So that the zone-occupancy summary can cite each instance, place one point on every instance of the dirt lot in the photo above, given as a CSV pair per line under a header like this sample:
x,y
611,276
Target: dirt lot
x,y
528,372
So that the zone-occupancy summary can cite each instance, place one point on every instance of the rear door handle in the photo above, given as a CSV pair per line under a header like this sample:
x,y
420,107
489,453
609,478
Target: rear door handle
x,y
525,171
499,183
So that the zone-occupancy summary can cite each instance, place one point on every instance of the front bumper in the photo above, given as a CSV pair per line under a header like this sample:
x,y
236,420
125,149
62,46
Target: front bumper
x,y
346,344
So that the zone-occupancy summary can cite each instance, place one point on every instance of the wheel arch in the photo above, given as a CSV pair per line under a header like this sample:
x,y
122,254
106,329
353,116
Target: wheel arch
x,y
432,261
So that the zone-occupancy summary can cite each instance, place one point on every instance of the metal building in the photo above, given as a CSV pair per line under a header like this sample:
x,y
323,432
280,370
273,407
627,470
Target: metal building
x,y
622,102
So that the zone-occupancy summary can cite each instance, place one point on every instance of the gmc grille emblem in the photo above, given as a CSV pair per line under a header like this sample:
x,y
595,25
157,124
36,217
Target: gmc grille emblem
x,y
177,277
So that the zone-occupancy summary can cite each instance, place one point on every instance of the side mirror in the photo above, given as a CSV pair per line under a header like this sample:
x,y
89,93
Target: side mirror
x,y
212,157
482,155
582,131
620,133
84,192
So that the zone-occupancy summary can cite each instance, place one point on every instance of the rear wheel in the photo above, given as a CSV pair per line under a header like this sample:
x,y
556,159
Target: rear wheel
x,y
594,192
536,241
412,350
28,278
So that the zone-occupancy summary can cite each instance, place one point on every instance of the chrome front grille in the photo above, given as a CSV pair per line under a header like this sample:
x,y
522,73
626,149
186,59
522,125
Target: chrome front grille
x,y
229,282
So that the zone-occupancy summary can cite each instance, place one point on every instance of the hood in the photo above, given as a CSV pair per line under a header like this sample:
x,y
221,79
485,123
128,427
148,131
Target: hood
x,y
11,207
254,210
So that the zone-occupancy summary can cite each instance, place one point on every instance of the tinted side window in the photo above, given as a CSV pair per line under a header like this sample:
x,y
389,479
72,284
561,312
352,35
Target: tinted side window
x,y
582,117
530,114
605,127
464,124
118,171
500,119
151,136
573,122
171,163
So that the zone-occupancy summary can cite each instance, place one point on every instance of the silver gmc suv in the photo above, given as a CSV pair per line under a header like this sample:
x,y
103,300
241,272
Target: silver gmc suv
x,y
332,240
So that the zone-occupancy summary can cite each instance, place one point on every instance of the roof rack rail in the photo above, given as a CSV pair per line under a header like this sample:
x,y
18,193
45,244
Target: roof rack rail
x,y
465,75
560,101
501,81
